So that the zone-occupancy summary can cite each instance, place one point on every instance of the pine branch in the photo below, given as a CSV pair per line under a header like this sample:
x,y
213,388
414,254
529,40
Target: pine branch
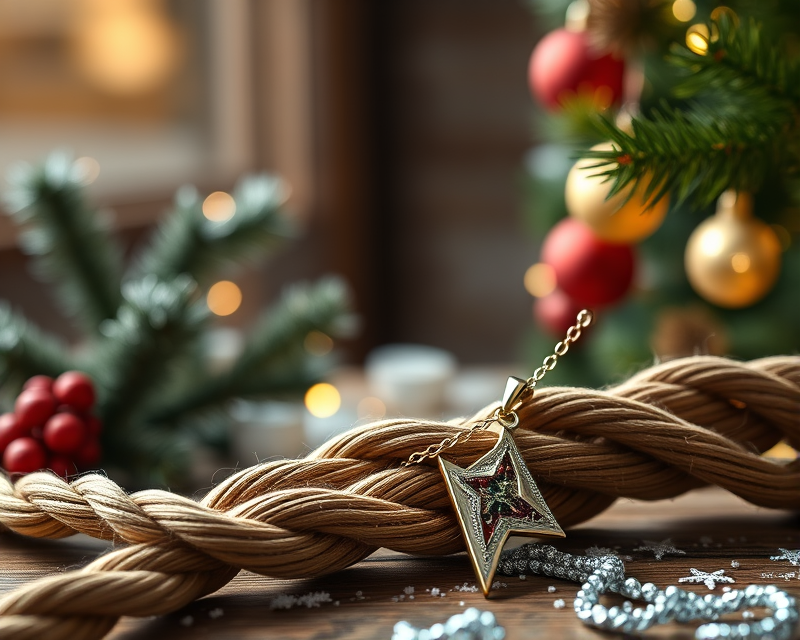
x,y
71,244
273,361
744,129
186,242
133,362
26,351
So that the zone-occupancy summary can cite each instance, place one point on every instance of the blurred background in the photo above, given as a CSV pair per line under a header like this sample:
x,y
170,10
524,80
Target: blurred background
x,y
416,167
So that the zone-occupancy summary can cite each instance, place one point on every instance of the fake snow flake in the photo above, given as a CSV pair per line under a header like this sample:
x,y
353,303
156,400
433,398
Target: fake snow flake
x,y
793,556
599,552
309,600
216,613
551,589
709,579
735,564
187,621
435,591
469,588
499,585
748,615
522,576
559,604
660,549
408,590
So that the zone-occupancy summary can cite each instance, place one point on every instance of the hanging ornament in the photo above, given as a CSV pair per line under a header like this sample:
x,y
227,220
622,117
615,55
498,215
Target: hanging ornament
x,y
589,270
563,65
555,311
618,219
733,259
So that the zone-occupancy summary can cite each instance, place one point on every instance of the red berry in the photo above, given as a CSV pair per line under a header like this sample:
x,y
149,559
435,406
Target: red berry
x,y
89,454
75,389
39,382
94,425
10,430
24,455
34,406
64,433
61,465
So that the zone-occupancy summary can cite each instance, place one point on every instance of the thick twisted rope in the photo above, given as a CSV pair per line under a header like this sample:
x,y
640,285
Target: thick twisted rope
x,y
671,428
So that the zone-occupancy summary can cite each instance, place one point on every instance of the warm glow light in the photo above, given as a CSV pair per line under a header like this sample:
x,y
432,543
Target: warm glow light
x,y
781,451
318,344
740,262
224,298
711,242
219,206
323,400
126,47
371,407
697,38
684,10
88,169
540,280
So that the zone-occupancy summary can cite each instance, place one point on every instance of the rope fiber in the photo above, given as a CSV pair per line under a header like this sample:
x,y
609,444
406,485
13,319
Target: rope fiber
x,y
669,429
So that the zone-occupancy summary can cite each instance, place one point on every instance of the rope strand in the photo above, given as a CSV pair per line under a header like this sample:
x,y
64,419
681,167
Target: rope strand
x,y
667,430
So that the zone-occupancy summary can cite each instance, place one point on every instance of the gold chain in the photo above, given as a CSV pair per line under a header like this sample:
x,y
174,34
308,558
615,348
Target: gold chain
x,y
506,416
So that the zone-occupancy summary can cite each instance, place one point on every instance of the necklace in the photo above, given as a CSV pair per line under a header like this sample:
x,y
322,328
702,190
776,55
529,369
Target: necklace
x,y
496,496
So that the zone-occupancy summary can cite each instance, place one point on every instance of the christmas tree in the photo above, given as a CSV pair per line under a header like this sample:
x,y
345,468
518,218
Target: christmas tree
x,y
679,219
145,325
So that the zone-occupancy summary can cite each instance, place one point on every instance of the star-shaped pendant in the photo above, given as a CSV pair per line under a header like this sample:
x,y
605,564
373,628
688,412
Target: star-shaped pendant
x,y
495,497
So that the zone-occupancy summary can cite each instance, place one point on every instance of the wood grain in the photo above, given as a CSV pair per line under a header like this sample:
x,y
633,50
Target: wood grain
x,y
713,527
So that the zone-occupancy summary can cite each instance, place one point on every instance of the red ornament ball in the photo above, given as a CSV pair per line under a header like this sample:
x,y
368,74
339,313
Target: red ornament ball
x,y
589,270
64,433
10,430
74,389
24,455
39,382
61,465
563,65
556,312
89,454
34,406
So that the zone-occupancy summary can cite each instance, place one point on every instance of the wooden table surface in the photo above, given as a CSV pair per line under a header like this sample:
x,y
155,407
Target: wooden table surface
x,y
712,527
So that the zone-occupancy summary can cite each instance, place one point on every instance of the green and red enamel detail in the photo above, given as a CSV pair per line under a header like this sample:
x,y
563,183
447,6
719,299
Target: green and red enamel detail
x,y
500,498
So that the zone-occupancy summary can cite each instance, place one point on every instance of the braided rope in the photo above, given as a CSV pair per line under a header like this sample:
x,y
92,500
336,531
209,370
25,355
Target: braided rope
x,y
669,429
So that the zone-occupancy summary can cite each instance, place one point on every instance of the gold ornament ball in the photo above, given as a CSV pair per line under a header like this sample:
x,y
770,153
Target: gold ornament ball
x,y
612,219
733,259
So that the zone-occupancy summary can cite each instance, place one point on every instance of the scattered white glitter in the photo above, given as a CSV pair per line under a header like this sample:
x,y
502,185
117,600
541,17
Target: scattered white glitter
x,y
408,590
499,585
336,603
187,621
599,552
726,589
359,594
435,591
216,613
461,603
410,597
311,599
470,588
735,564
551,589
660,549
787,576
793,556
709,579
522,576
559,604
748,615
395,599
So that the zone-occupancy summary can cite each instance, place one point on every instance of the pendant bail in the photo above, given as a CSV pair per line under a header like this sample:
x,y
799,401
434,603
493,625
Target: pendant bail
x,y
515,388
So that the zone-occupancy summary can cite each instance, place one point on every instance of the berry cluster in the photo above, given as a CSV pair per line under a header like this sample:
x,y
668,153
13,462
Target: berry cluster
x,y
52,426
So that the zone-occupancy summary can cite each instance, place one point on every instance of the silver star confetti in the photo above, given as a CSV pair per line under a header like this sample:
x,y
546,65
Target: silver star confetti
x,y
660,549
709,579
793,556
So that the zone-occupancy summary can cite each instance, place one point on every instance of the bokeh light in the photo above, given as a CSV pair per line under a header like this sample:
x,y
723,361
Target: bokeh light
x,y
317,343
684,10
540,280
371,408
697,38
219,206
224,298
323,400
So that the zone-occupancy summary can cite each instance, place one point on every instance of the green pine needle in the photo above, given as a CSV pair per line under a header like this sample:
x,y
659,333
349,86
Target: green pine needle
x,y
743,130
70,243
187,242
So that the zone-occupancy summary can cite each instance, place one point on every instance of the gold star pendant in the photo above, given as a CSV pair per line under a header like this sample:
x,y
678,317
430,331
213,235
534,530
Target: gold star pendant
x,y
494,498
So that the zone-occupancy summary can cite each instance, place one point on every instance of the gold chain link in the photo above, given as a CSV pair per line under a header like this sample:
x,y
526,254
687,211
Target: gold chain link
x,y
508,419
